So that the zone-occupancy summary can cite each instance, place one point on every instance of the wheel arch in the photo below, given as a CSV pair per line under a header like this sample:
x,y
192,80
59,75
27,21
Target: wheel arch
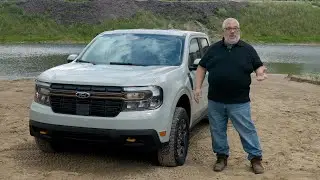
x,y
182,99
184,102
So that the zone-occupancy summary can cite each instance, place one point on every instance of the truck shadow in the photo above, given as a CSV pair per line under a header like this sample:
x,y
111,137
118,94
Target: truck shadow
x,y
92,158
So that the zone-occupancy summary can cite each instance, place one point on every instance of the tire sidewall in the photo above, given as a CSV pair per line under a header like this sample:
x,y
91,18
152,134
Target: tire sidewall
x,y
183,118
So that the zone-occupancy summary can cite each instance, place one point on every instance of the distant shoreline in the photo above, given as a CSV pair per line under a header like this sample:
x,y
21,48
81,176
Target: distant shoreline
x,y
86,42
306,79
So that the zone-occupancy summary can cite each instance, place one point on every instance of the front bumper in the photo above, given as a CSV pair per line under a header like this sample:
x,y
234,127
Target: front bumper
x,y
127,121
60,133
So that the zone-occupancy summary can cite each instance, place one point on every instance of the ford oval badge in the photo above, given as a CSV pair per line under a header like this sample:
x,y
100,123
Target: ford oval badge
x,y
83,95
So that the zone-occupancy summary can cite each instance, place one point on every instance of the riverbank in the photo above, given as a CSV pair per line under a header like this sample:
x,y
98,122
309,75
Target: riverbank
x,y
60,21
286,114
306,78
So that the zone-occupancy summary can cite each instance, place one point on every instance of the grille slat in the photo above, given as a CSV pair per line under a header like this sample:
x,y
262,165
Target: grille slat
x,y
86,107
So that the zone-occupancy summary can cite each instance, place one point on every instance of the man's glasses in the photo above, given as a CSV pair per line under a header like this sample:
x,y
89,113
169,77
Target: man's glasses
x,y
230,29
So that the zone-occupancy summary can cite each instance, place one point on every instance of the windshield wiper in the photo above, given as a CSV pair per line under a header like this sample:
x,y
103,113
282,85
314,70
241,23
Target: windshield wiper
x,y
124,63
83,61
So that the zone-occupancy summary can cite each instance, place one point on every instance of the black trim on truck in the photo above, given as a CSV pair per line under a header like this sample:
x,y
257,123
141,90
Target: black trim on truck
x,y
191,81
146,138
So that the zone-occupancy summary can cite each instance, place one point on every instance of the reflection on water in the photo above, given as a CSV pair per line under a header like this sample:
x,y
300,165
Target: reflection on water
x,y
26,67
34,50
28,61
290,59
289,53
292,68
23,61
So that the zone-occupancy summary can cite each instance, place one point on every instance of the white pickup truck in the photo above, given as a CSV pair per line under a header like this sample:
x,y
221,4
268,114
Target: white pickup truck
x,y
128,87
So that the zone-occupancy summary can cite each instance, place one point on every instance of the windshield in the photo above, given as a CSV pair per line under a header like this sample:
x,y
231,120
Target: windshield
x,y
135,49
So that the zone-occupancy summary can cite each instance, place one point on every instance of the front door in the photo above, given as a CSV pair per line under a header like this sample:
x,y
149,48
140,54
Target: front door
x,y
204,45
195,53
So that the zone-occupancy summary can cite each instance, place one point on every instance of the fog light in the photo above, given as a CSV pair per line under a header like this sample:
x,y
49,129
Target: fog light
x,y
44,132
163,133
129,139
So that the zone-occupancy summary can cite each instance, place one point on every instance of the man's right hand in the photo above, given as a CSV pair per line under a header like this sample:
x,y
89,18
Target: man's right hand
x,y
261,73
197,94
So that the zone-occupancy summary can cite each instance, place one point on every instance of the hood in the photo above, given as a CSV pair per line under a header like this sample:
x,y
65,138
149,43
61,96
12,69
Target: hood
x,y
110,75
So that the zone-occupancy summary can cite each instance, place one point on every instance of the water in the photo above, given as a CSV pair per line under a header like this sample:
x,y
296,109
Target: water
x,y
28,61
290,59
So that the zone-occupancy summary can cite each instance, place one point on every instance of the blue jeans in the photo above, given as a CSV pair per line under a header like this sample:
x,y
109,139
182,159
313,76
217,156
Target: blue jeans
x,y
240,116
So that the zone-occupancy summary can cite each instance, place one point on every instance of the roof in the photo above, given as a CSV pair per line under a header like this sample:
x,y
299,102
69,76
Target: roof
x,y
176,32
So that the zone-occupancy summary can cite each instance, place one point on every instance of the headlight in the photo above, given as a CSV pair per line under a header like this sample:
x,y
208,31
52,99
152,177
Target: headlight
x,y
143,98
42,91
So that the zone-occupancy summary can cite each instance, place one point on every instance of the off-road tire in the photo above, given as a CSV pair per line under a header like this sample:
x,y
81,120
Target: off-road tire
x,y
45,146
168,153
205,119
206,116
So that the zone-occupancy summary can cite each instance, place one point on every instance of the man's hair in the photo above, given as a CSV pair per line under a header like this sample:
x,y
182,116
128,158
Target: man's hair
x,y
228,20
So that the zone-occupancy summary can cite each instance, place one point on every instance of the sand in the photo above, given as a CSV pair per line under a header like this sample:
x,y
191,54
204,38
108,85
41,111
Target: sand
x,y
286,114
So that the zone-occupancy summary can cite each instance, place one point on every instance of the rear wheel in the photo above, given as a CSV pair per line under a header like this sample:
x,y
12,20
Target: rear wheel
x,y
174,152
205,119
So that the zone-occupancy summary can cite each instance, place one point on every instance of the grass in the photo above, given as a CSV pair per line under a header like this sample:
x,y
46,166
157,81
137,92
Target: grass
x,y
267,22
281,22
16,26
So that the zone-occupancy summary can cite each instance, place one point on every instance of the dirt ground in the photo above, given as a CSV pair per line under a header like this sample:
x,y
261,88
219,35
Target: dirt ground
x,y
286,114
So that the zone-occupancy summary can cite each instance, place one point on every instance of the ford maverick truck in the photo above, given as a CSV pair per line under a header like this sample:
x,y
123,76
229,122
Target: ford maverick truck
x,y
128,87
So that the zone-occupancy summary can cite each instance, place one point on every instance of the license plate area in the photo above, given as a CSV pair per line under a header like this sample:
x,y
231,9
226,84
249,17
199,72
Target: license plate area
x,y
82,109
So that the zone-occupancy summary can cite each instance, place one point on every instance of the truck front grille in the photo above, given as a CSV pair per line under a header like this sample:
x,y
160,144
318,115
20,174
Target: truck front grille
x,y
103,101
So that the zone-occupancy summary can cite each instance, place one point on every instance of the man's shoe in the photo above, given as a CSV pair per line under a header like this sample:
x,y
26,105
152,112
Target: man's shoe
x,y
257,166
221,163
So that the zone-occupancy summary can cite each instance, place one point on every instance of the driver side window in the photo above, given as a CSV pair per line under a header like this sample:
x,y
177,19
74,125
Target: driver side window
x,y
194,51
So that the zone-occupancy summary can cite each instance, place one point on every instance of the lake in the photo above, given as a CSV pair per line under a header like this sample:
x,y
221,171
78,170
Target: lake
x,y
29,60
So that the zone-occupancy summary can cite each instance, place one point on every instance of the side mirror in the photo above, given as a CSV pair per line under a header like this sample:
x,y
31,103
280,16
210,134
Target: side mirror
x,y
72,57
195,64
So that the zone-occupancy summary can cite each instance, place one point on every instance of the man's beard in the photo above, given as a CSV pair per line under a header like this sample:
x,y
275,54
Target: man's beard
x,y
233,40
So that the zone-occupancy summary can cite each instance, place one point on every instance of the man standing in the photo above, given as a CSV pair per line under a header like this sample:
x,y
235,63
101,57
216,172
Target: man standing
x,y
230,63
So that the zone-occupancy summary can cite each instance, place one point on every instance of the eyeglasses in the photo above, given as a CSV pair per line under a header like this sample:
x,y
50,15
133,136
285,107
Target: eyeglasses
x,y
230,29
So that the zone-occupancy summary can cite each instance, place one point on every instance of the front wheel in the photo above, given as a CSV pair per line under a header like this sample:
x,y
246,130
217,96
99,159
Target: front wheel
x,y
45,146
174,153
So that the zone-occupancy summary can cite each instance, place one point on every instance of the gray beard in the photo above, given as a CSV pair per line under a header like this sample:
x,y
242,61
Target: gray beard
x,y
232,43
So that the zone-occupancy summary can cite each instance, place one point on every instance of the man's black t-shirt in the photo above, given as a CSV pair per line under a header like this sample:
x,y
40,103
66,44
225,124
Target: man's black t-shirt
x,y
229,71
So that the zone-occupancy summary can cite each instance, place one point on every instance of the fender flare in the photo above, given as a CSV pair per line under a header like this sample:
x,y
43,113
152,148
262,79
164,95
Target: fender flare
x,y
182,91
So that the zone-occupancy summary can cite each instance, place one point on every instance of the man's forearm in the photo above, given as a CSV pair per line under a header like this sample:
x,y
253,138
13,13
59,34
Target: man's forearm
x,y
200,76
